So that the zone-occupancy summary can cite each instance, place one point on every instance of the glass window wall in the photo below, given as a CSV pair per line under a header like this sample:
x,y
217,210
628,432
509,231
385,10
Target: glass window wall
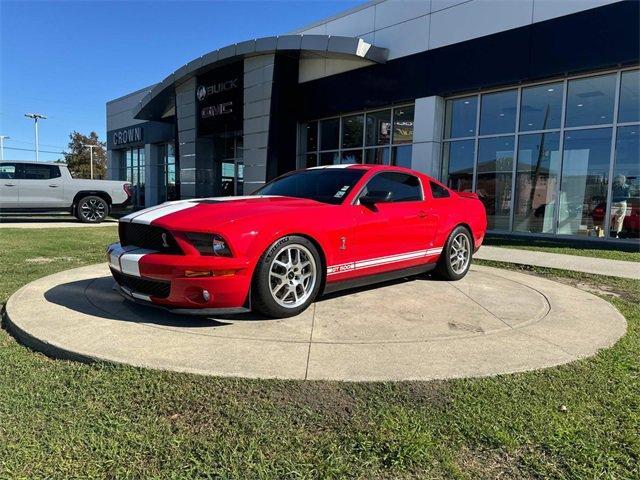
x,y
380,137
569,164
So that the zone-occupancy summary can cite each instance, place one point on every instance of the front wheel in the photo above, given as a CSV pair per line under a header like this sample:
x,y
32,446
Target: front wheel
x,y
455,259
92,209
287,278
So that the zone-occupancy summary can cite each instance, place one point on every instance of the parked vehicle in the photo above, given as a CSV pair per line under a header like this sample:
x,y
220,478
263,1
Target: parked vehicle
x,y
306,233
49,187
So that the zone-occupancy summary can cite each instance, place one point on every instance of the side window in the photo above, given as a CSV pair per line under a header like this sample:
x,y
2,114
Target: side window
x,y
403,187
39,172
438,191
8,171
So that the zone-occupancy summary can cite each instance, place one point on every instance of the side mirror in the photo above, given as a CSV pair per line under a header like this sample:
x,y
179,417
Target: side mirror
x,y
375,196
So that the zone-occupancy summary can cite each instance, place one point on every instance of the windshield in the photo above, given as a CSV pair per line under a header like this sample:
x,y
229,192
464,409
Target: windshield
x,y
323,185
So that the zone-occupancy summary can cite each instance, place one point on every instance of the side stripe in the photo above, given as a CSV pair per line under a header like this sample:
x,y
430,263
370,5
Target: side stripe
x,y
375,262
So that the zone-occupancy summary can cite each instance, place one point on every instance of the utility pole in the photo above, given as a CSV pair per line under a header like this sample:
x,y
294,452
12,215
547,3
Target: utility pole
x,y
91,147
36,117
2,139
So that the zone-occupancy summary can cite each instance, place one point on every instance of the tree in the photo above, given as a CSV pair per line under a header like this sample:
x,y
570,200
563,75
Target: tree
x,y
79,155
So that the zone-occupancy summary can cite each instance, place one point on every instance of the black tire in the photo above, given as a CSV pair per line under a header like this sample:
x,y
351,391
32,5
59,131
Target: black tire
x,y
449,268
294,278
92,209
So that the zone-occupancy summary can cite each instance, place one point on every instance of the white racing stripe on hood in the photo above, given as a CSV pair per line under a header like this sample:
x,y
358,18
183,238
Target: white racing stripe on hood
x,y
148,216
230,199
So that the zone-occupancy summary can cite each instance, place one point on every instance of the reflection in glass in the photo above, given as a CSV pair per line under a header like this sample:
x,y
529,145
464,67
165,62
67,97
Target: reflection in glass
x,y
310,160
403,124
329,158
583,190
329,133
377,156
541,107
629,109
401,156
495,164
378,130
625,187
352,131
460,117
309,137
351,156
537,173
457,168
498,112
590,100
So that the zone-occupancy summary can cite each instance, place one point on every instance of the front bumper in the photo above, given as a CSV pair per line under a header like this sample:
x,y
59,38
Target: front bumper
x,y
137,269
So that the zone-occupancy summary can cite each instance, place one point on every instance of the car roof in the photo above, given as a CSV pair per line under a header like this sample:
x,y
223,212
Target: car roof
x,y
30,162
364,166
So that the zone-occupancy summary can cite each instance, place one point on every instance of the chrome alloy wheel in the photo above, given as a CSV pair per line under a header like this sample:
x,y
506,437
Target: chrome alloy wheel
x,y
292,276
93,210
460,253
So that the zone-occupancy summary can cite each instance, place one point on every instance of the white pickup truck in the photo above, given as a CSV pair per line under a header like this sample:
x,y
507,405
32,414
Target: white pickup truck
x,y
47,187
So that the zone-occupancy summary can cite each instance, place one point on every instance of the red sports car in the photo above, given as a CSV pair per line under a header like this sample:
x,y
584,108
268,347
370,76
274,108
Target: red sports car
x,y
306,233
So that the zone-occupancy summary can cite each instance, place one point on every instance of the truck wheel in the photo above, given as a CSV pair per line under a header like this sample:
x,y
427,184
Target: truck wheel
x,y
92,209
287,278
455,259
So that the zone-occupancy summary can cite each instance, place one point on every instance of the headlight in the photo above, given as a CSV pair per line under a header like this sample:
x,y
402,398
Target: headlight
x,y
209,244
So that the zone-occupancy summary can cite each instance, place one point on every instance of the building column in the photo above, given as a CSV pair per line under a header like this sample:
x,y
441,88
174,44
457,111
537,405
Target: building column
x,y
153,173
186,110
428,128
258,82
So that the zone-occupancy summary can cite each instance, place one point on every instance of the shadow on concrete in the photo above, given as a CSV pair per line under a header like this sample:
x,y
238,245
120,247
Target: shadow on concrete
x,y
73,295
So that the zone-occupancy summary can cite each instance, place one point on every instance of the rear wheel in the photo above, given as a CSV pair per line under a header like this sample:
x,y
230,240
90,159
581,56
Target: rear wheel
x,y
287,278
455,259
92,209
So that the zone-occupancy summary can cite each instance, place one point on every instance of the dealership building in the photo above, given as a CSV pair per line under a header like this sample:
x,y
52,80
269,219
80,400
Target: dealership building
x,y
533,104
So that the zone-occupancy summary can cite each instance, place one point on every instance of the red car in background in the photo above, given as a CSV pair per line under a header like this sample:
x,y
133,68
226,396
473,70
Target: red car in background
x,y
306,233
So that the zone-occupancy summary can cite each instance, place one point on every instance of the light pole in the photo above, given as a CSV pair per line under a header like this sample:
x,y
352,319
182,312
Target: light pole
x,y
36,117
2,139
91,147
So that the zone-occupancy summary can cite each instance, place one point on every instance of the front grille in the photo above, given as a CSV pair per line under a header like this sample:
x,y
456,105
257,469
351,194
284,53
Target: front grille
x,y
147,236
154,288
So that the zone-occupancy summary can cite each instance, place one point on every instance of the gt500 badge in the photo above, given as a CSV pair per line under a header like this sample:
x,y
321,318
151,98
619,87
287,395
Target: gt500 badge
x,y
341,268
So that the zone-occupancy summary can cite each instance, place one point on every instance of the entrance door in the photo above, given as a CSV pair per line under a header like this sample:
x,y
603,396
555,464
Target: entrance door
x,y
227,153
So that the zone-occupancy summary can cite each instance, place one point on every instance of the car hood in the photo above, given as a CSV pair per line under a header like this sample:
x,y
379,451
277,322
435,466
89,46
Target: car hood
x,y
203,213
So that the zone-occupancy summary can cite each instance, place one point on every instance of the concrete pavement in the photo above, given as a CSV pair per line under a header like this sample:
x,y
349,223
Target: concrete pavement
x,y
35,221
492,322
598,266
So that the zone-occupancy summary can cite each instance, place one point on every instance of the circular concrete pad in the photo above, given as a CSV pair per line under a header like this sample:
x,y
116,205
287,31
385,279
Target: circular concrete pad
x,y
493,321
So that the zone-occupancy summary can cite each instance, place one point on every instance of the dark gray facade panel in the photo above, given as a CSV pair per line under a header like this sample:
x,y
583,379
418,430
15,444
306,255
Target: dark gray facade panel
x,y
152,132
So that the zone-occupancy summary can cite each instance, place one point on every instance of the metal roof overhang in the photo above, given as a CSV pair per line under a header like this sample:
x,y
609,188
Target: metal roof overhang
x,y
159,100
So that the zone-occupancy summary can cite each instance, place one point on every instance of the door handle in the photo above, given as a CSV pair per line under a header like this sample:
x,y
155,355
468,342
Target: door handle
x,y
422,214
9,184
54,186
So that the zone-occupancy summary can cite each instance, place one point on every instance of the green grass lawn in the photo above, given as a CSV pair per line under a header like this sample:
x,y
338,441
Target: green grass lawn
x,y
60,419
630,255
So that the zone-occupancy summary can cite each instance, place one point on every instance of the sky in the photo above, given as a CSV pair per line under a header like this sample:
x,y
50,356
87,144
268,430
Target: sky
x,y
66,59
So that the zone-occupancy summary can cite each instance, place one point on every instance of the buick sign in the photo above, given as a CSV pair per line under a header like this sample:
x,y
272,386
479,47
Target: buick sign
x,y
127,135
219,96
204,91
